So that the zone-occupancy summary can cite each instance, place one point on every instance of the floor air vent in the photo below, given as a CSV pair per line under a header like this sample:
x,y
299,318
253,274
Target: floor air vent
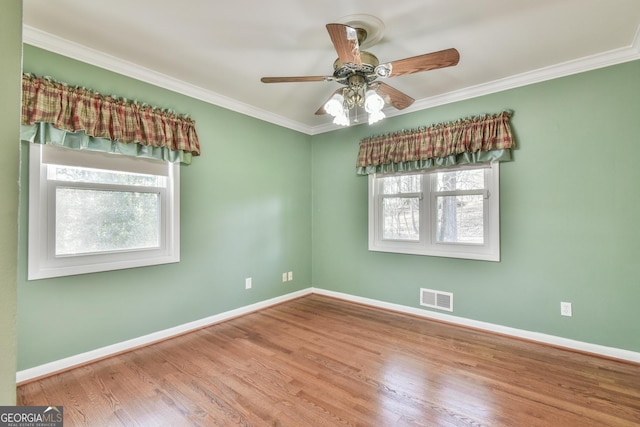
x,y
436,299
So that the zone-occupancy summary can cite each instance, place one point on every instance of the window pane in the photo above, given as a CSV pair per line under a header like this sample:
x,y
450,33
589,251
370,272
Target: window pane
x,y
89,221
401,218
472,179
75,174
400,184
460,219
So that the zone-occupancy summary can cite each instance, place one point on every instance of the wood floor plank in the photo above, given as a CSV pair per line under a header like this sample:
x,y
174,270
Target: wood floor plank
x,y
317,361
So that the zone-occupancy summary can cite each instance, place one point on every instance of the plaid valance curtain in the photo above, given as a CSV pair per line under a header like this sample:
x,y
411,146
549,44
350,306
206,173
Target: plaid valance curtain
x,y
54,112
469,140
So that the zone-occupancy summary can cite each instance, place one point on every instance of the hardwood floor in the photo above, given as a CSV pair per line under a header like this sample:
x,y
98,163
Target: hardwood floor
x,y
317,361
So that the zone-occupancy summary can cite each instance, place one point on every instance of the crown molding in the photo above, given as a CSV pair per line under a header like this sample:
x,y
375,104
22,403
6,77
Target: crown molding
x,y
73,50
82,53
601,60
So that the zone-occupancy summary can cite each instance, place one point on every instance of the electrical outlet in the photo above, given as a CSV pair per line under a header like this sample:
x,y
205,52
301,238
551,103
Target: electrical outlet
x,y
565,309
290,275
247,283
284,277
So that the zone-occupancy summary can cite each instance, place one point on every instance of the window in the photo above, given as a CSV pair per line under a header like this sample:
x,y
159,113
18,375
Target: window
x,y
448,212
92,211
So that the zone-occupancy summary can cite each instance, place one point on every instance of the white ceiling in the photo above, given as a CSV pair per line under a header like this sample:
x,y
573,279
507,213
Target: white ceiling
x,y
217,51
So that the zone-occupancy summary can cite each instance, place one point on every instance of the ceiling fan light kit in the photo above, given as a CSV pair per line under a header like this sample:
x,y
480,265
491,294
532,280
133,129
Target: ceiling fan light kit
x,y
373,104
335,105
346,99
358,71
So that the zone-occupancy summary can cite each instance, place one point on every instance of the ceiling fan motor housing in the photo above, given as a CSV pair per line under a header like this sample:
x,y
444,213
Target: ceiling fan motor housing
x,y
366,69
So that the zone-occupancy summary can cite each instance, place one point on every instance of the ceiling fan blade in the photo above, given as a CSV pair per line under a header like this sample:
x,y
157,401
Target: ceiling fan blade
x,y
428,61
293,79
394,97
345,41
321,110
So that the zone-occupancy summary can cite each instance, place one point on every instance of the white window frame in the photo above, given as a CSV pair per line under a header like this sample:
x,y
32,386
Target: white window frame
x,y
42,261
427,244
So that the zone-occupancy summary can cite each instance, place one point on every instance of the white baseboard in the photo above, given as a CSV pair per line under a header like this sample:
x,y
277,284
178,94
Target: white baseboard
x,y
595,349
51,368
56,366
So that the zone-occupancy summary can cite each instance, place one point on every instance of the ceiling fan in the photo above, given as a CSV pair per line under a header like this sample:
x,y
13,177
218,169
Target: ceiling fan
x,y
359,71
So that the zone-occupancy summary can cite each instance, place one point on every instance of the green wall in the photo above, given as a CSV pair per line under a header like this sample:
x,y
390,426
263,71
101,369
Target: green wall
x,y
245,212
11,48
263,199
569,214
